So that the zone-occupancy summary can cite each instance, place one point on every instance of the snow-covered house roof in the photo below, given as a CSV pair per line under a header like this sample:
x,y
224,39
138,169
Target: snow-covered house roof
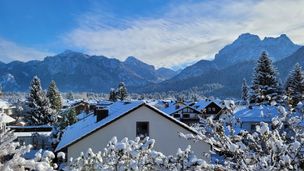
x,y
104,103
202,104
172,107
4,104
5,118
257,114
117,110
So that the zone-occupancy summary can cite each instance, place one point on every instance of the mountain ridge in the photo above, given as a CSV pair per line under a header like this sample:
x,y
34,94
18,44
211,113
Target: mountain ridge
x,y
76,71
246,47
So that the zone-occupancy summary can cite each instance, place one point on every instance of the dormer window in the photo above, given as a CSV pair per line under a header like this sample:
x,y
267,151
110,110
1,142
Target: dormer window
x,y
142,129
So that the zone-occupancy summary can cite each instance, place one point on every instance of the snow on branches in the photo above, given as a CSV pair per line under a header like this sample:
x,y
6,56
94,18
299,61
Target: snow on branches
x,y
274,146
136,155
11,154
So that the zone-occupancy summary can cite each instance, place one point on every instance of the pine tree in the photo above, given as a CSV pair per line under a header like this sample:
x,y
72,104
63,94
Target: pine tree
x,y
122,92
54,96
245,91
294,86
112,95
70,96
39,106
265,85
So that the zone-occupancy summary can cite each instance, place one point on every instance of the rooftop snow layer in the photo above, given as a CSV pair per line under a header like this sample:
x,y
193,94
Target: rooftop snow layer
x,y
172,108
257,114
202,104
89,124
5,118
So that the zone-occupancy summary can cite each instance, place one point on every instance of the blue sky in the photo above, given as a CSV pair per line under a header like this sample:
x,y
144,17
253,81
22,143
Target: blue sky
x,y
164,33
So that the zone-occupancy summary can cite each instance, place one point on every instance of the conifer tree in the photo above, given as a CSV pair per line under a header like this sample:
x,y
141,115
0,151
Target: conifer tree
x,y
265,85
122,92
54,96
294,86
40,112
112,95
69,96
245,91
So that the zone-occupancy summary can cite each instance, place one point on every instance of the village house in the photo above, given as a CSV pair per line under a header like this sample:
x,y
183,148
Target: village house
x,y
209,107
128,119
181,111
6,108
251,116
189,112
38,136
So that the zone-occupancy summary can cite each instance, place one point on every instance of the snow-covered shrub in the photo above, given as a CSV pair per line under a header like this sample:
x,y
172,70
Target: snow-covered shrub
x,y
41,162
11,154
275,146
136,155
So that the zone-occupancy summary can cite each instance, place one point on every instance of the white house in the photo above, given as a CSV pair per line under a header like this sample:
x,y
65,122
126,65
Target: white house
x,y
6,119
6,108
128,119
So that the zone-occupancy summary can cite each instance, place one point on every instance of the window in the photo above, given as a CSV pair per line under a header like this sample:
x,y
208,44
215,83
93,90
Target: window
x,y
186,116
142,129
213,109
176,115
253,127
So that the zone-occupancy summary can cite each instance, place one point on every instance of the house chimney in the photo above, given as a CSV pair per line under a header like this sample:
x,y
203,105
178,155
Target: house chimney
x,y
101,113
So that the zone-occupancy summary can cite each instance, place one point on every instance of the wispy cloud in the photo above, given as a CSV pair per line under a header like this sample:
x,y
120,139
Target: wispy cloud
x,y
186,32
10,51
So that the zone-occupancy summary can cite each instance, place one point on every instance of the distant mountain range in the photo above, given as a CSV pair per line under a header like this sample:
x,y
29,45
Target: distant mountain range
x,y
246,47
221,77
74,71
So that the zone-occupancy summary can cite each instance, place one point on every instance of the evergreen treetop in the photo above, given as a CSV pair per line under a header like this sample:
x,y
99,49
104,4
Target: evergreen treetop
x,y
122,92
265,85
40,112
54,96
294,86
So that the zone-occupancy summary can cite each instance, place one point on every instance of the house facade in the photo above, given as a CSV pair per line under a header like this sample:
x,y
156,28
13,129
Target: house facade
x,y
208,107
137,120
181,111
190,112
38,136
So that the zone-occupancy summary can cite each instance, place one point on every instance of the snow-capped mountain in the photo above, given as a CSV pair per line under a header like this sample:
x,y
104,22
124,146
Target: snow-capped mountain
x,y
74,71
223,76
246,47
249,46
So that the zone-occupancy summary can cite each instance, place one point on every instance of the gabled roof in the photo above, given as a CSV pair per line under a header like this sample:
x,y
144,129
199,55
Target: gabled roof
x,y
257,114
117,110
4,104
5,118
172,108
202,104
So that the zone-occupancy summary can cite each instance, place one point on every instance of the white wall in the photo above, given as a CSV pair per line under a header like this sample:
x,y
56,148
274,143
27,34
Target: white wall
x,y
163,130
